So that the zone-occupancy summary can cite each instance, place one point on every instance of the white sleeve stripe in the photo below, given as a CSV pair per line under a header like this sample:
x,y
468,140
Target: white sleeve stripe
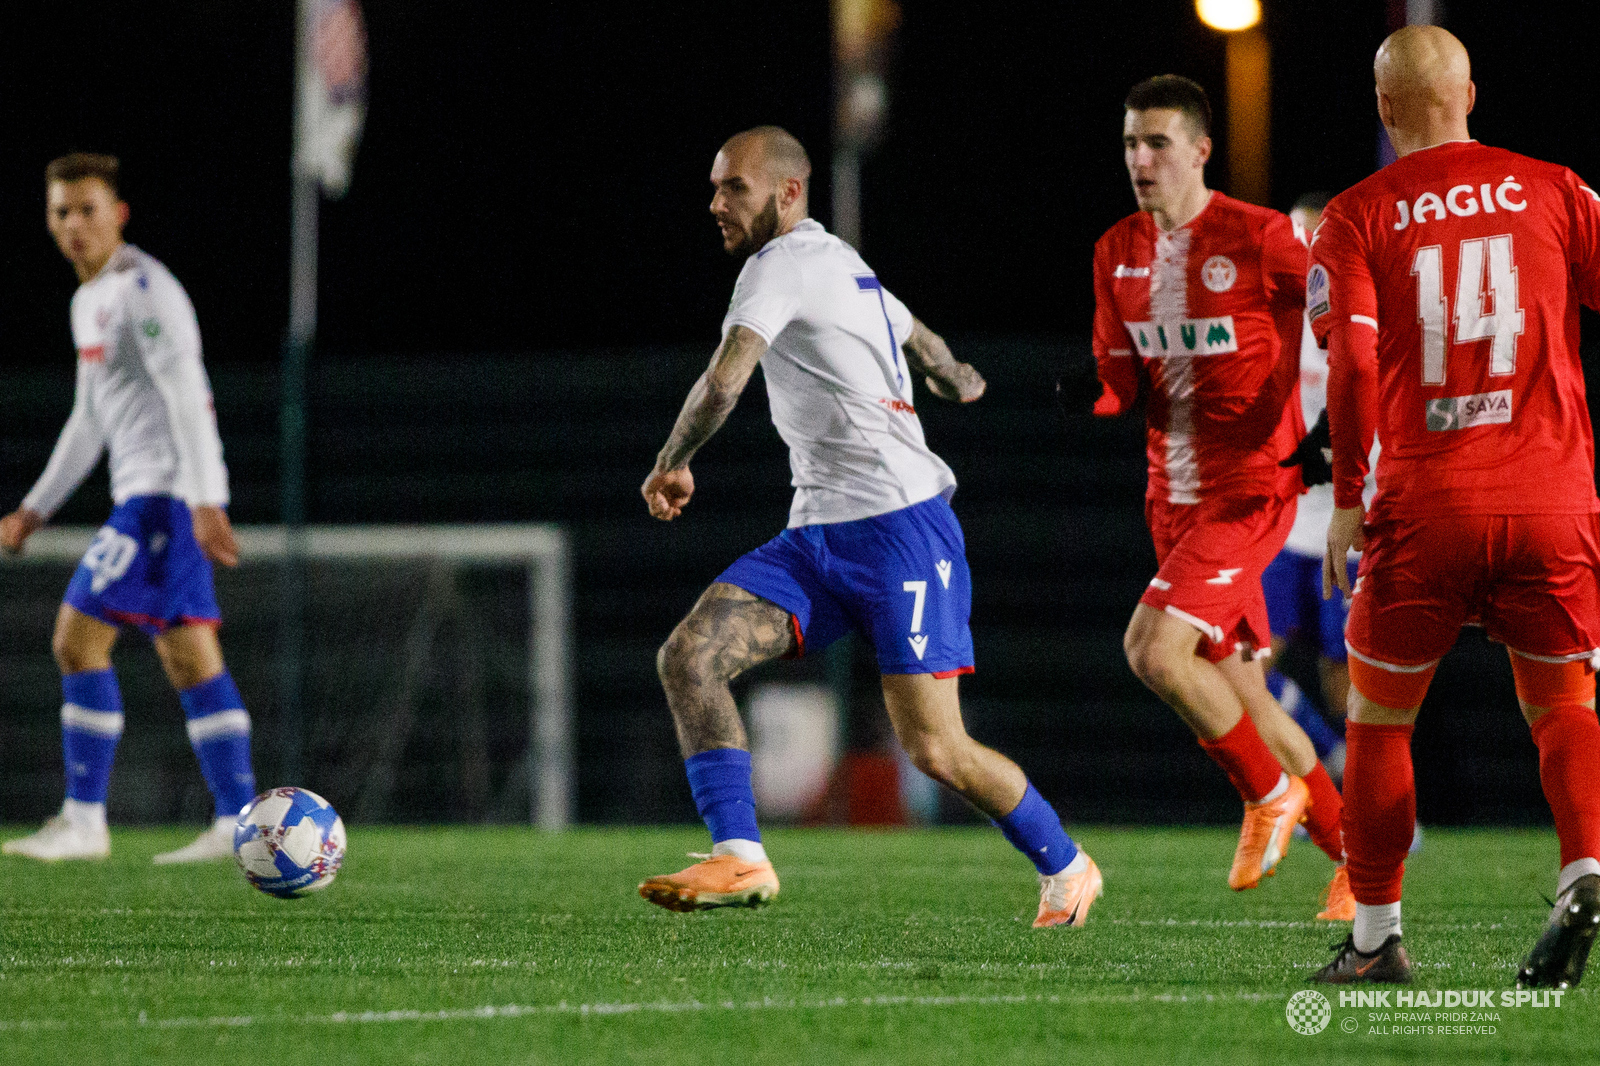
x,y
1364,320
86,720
1119,351
235,723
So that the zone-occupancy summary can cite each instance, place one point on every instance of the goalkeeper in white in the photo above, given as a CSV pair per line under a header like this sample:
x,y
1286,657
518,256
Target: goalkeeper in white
x,y
142,392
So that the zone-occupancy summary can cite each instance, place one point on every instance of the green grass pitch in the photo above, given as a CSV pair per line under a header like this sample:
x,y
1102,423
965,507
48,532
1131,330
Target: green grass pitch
x,y
505,946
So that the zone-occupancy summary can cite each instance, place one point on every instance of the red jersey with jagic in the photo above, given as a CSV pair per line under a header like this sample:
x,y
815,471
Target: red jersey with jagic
x,y
1212,311
1469,262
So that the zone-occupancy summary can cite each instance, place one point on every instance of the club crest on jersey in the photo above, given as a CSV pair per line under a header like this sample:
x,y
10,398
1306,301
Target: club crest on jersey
x,y
1218,274
1464,412
1184,336
1317,291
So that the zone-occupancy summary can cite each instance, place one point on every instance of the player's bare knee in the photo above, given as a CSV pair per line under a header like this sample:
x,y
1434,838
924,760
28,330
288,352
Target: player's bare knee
x,y
182,667
1153,663
937,757
74,654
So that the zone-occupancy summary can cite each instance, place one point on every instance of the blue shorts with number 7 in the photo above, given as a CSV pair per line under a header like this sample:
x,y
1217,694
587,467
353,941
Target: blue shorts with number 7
x,y
899,578
145,569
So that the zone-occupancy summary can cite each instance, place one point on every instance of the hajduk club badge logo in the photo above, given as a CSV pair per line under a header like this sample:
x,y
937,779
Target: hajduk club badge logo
x,y
1308,1012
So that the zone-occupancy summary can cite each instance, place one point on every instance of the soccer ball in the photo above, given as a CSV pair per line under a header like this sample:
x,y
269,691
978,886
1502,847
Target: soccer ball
x,y
289,842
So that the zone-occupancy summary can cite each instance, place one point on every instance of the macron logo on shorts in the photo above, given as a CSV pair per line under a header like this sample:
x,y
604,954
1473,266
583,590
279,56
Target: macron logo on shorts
x,y
1224,577
943,566
919,644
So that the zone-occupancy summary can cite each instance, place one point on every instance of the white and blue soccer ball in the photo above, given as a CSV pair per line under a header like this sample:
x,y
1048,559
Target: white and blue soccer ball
x,y
289,841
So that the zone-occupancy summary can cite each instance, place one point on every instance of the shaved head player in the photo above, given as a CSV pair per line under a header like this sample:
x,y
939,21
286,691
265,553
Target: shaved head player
x,y
872,543
1446,288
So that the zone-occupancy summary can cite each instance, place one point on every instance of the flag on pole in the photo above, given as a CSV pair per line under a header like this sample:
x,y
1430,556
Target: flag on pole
x,y
332,85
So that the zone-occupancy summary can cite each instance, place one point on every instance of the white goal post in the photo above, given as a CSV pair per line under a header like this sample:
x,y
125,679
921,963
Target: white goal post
x,y
540,547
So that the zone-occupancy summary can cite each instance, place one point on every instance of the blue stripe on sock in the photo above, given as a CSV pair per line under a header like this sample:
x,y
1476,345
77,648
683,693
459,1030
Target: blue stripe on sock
x,y
88,756
1034,829
209,697
224,759
94,689
720,782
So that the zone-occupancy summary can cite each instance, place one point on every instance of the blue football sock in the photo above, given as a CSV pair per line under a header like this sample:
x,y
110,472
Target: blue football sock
x,y
1324,738
219,732
91,725
1035,830
720,782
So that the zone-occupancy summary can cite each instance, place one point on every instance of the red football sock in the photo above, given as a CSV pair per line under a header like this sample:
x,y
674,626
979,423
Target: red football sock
x,y
1569,769
1246,760
1380,809
1322,817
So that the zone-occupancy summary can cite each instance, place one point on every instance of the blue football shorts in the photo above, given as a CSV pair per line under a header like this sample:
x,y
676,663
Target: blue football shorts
x,y
899,578
1296,610
146,569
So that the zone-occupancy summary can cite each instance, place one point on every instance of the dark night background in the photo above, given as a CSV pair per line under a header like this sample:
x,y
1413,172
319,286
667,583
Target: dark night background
x,y
524,280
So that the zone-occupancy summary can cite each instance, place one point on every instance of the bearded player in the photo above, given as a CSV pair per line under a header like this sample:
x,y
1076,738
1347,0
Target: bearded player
x,y
1446,288
872,543
1198,304
142,392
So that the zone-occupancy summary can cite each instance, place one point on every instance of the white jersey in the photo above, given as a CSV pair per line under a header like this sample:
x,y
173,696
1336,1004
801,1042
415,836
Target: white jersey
x,y
837,382
1310,533
142,391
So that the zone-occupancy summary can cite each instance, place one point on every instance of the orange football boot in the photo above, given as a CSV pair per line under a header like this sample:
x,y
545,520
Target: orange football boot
x,y
717,881
1339,903
1264,837
1064,899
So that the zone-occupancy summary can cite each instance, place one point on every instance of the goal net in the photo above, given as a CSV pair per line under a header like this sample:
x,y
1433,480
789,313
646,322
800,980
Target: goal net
x,y
434,673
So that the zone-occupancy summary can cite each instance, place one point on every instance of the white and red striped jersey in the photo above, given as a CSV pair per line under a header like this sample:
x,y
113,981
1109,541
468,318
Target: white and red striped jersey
x,y
1210,317
142,391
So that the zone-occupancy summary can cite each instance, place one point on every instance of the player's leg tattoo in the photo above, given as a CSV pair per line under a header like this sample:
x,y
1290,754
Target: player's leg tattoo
x,y
728,631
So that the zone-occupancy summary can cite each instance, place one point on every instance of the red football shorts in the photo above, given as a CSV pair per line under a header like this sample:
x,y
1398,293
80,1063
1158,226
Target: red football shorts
x,y
1529,580
1212,554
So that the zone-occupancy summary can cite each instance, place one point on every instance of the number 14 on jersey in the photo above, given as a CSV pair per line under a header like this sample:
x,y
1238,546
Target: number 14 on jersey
x,y
1482,311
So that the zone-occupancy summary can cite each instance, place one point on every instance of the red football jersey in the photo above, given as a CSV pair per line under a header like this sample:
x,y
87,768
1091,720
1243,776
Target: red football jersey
x,y
1470,263
1213,311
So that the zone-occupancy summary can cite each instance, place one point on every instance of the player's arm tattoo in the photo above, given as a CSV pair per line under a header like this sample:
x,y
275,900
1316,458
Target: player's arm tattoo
x,y
928,354
728,631
713,396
